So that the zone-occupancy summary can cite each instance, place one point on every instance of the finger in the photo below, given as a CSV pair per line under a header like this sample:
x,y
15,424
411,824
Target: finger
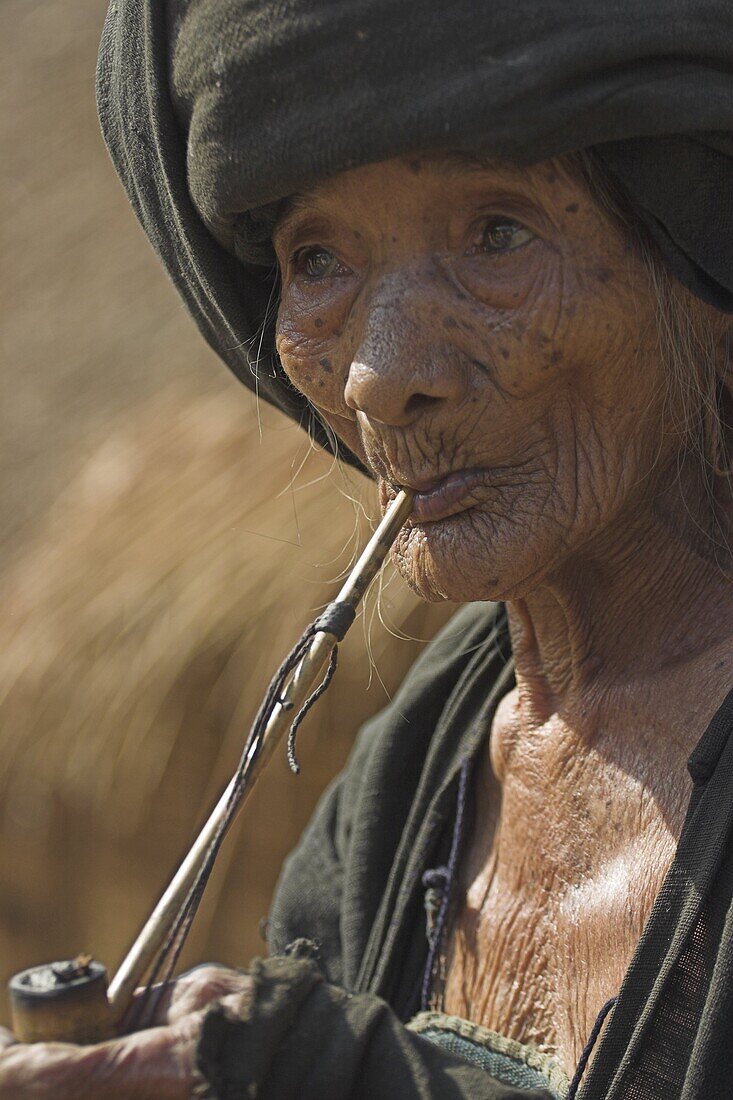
x,y
7,1039
193,991
150,1065
199,988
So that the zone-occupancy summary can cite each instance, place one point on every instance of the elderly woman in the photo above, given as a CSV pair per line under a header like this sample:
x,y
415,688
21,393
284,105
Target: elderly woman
x,y
485,252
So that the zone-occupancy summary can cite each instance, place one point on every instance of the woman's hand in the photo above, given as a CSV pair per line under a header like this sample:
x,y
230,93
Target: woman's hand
x,y
156,1064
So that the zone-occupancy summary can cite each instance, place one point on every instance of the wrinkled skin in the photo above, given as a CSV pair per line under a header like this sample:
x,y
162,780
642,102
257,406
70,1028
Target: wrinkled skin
x,y
448,315
427,352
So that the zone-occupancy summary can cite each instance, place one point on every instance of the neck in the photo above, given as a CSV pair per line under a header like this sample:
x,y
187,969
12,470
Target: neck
x,y
644,600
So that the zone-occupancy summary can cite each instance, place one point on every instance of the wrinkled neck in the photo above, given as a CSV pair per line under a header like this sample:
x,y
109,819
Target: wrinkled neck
x,y
648,598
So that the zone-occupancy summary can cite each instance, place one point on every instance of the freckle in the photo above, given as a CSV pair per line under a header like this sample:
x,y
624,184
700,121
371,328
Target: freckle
x,y
556,356
504,352
460,296
318,322
544,340
320,383
450,322
572,208
466,326
357,235
415,166
325,363
394,240
515,294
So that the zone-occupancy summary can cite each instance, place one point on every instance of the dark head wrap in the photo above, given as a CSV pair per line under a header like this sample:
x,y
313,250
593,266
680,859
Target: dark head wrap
x,y
216,110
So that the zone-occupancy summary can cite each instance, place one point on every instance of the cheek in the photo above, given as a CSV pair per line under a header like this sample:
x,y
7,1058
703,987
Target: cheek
x,y
582,332
308,350
504,284
522,310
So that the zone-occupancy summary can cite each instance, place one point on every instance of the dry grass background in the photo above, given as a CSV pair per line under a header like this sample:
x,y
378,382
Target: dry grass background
x,y
158,555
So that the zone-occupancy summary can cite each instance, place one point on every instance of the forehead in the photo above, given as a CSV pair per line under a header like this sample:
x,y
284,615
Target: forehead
x,y
444,175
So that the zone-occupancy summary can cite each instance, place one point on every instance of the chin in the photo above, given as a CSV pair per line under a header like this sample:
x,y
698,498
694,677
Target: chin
x,y
451,559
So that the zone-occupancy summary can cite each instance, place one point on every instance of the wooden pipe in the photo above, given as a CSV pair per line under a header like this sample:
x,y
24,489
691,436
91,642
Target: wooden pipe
x,y
70,1001
63,1002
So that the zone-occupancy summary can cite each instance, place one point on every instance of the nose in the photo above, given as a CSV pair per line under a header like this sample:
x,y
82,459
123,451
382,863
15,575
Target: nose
x,y
399,370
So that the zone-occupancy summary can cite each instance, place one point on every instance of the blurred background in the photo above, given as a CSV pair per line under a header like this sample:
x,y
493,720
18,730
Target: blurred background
x,y
163,543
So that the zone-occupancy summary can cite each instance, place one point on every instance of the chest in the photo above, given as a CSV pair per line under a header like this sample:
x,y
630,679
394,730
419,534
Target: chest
x,y
567,852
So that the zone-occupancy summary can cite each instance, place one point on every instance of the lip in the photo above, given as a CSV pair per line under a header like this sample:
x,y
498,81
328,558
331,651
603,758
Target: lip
x,y
447,496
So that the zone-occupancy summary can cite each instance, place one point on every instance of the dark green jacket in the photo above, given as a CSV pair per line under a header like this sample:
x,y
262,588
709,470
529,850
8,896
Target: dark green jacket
x,y
353,886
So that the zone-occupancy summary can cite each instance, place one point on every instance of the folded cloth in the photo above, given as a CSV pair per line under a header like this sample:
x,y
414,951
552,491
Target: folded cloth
x,y
216,110
293,1036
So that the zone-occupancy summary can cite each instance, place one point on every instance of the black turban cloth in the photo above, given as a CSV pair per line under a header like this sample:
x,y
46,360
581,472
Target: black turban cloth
x,y
214,111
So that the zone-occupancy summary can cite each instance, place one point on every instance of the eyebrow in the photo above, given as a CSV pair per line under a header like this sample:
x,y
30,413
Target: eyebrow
x,y
291,208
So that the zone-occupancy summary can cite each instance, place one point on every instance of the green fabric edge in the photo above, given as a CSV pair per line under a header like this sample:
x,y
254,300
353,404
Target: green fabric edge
x,y
500,1044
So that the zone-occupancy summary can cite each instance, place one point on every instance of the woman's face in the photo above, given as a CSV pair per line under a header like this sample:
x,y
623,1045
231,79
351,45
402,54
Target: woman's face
x,y
486,336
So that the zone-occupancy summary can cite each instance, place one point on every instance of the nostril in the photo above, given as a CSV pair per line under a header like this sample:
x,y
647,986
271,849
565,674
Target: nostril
x,y
420,402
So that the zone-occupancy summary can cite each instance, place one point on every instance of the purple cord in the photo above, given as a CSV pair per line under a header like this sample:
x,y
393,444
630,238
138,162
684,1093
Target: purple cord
x,y
448,874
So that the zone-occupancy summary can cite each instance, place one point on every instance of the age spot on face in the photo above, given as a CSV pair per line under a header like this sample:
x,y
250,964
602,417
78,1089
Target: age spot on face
x,y
417,303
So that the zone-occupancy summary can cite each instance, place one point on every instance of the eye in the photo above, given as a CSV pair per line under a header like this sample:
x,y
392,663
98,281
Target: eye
x,y
315,262
499,235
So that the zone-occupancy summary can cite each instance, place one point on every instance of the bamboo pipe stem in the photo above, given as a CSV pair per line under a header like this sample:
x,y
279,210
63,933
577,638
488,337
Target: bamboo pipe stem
x,y
145,948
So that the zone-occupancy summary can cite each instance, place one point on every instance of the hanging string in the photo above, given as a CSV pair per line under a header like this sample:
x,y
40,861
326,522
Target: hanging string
x,y
588,1048
335,620
312,698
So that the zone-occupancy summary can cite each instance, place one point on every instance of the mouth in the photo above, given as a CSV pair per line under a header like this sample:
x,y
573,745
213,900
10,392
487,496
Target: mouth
x,y
442,497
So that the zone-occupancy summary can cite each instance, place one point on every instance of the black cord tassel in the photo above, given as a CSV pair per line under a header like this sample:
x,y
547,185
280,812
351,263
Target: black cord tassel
x,y
335,620
312,698
144,1009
